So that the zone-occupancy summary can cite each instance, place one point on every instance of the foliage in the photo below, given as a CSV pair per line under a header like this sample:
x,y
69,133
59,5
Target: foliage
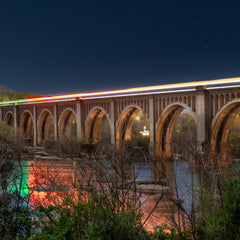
x,y
102,204
69,145
184,133
14,211
163,233
220,211
51,145
235,137
102,201
106,206
93,219
9,140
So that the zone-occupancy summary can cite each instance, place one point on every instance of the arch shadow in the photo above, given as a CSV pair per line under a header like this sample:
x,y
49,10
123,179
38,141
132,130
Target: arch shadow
x,y
220,131
9,119
125,123
27,125
165,126
67,123
93,125
45,126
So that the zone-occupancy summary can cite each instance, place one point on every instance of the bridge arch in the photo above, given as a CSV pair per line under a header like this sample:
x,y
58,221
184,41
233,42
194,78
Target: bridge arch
x,y
93,124
165,126
220,129
9,118
45,126
67,123
125,124
26,124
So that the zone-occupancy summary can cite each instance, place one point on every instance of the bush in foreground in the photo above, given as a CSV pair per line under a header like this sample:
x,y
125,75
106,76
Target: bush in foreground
x,y
93,219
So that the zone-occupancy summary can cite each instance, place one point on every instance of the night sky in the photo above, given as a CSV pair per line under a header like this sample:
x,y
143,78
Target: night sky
x,y
53,47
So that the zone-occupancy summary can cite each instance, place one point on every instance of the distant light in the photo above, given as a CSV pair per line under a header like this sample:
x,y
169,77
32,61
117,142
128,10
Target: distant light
x,y
137,118
145,131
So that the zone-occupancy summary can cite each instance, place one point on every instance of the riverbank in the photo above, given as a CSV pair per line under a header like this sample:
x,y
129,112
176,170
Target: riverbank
x,y
39,153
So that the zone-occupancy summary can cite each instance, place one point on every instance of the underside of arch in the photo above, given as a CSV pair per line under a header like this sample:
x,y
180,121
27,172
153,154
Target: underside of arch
x,y
164,131
26,125
45,127
220,141
124,128
93,126
67,124
9,119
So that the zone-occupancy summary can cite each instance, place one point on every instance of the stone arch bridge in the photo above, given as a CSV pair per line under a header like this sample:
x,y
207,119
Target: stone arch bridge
x,y
213,105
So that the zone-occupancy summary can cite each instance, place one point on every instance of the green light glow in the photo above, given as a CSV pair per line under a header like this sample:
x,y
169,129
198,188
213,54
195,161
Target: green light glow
x,y
14,102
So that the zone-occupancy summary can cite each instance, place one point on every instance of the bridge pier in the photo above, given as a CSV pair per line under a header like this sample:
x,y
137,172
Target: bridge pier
x,y
151,127
112,123
34,126
55,122
1,115
79,122
202,117
15,118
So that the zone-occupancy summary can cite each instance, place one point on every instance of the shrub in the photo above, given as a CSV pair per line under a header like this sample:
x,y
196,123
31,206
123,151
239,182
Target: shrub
x,y
221,211
14,212
93,219
51,145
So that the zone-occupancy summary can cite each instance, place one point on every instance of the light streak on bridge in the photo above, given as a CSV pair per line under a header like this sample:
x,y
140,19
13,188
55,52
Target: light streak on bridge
x,y
130,91
212,104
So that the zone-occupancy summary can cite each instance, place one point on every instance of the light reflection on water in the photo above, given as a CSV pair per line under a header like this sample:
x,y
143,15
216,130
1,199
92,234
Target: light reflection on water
x,y
167,173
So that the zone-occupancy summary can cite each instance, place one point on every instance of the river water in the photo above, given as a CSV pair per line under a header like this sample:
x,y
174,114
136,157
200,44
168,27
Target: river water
x,y
46,178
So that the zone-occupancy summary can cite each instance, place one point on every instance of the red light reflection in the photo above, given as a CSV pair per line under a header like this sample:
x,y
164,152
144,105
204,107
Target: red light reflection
x,y
51,181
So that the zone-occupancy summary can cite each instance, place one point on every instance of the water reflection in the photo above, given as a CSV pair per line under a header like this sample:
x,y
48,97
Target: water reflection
x,y
178,177
47,179
161,183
